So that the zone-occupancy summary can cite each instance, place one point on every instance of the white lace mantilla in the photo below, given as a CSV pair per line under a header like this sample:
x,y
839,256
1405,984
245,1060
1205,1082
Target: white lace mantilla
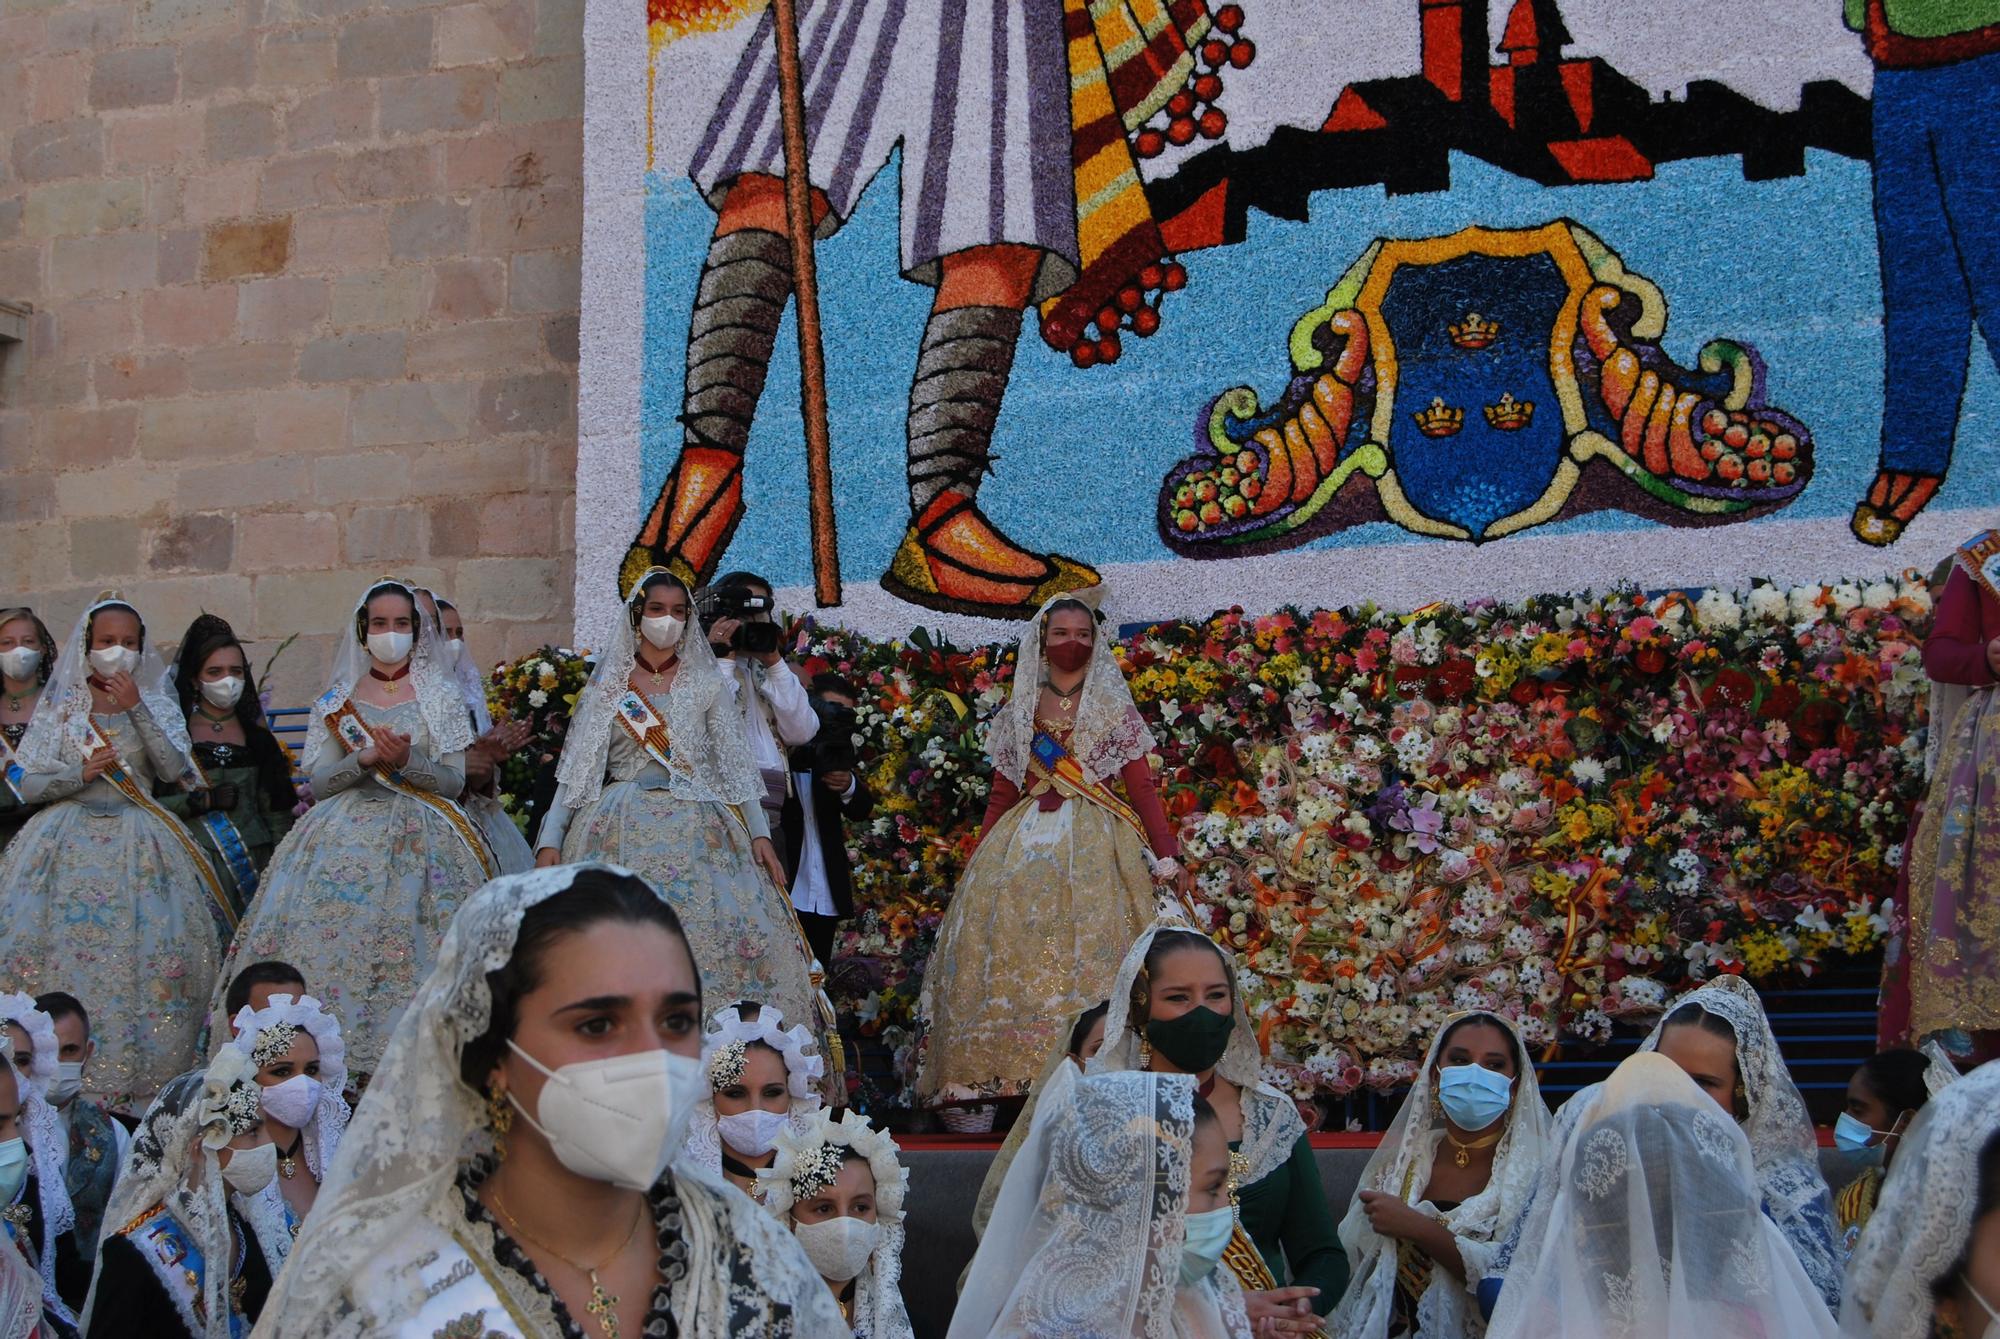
x,y
1109,731
52,740
433,680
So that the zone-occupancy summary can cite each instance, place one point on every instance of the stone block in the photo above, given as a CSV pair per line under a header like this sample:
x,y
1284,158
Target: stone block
x,y
547,90
427,229
214,65
241,130
454,528
537,402
97,326
281,308
242,483
468,290
114,263
103,547
194,542
368,476
21,272
362,356
480,34
559,27
340,240
36,556
475,347
74,208
59,87
298,182
300,420
384,534
545,281
295,58
30,497
129,489
90,29
172,601
411,412
51,150
75,439
241,367
518,524
384,44
517,157
378,298
10,219
134,77
528,220
343,114
180,255
140,376
152,139
446,101
52,386
391,174
188,316
450,471
509,588
308,602
165,20
175,430
246,248
273,541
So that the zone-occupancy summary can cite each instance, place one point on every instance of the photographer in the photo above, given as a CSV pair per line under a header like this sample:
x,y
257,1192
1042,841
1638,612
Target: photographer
x,y
738,619
827,795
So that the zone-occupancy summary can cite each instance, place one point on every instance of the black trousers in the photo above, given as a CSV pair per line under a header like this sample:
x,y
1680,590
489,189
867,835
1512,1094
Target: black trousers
x,y
819,933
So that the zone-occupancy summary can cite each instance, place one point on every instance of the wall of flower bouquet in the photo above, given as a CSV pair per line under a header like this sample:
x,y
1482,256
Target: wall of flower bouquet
x,y
1562,808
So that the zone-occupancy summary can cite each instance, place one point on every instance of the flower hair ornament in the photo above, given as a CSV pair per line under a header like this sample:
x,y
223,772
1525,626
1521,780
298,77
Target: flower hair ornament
x,y
19,1011
269,1032
726,1043
230,1103
809,1162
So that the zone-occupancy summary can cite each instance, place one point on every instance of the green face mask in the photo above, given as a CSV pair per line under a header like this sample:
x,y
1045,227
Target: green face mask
x,y
1194,1041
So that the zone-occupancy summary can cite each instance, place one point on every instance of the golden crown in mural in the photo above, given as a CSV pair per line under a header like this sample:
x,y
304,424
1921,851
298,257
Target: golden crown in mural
x,y
1474,332
1510,415
1440,420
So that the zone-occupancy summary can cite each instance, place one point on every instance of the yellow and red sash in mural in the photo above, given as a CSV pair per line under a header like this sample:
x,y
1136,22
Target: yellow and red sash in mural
x,y
352,732
1980,557
1054,768
643,724
91,741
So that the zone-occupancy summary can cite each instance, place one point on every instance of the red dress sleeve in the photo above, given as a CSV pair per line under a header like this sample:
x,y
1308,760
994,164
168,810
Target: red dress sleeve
x,y
1145,802
1004,795
1955,652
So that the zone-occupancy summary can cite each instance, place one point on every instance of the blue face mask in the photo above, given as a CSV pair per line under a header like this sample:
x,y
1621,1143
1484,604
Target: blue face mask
x,y
1207,1237
1853,1135
13,1168
1474,1096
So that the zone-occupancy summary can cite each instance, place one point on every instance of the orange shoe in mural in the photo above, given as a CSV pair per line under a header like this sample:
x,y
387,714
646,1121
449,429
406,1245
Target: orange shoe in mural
x,y
954,559
692,521
1557,343
1893,501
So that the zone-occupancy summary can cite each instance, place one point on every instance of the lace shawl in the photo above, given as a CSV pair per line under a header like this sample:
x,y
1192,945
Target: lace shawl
x,y
51,741
1109,730
879,1312
433,678
43,1126
323,1131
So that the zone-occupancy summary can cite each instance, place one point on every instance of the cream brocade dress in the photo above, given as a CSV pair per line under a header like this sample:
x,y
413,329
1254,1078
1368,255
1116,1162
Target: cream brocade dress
x,y
1041,918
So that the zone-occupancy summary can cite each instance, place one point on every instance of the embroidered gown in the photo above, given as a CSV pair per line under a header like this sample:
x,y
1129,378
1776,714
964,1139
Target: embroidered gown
x,y
100,898
14,814
261,826
359,892
1055,892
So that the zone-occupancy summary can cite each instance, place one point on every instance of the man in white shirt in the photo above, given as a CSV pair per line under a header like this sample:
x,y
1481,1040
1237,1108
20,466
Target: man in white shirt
x,y
737,613
826,796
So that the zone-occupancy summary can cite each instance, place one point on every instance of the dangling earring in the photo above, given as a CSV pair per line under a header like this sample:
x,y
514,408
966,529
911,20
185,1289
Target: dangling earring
x,y
1145,1052
499,1119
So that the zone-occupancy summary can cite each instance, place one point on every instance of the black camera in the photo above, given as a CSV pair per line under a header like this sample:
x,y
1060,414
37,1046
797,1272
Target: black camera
x,y
833,747
743,604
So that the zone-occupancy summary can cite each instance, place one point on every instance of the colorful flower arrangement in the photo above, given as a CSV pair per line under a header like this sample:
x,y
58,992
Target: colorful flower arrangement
x,y
540,688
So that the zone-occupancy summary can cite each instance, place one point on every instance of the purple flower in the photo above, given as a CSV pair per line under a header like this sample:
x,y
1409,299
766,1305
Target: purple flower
x,y
1422,821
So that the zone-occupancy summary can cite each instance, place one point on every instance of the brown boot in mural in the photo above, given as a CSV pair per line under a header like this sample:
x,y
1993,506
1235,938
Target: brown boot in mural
x,y
952,557
745,284
1893,501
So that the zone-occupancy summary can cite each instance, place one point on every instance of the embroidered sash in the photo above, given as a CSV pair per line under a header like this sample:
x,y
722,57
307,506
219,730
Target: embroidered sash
x,y
11,769
177,1263
1980,557
460,1288
92,1167
1056,769
643,724
91,741
229,843
1246,1262
352,732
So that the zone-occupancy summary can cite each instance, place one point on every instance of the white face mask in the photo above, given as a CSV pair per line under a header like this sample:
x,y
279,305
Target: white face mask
x,y
251,1169
1992,1330
389,648
662,631
110,660
222,693
754,1133
68,1083
293,1102
839,1247
20,662
619,1120
457,645
13,1168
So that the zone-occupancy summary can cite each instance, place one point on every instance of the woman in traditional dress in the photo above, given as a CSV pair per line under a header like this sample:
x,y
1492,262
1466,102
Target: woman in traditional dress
x,y
837,1185
179,1264
65,1269
1883,1097
1444,1186
1954,935
1928,1265
104,893
301,1071
25,1296
27,655
360,891
541,1084
1651,1227
245,809
1175,1009
492,744
655,777
1063,875
763,1079
1112,1221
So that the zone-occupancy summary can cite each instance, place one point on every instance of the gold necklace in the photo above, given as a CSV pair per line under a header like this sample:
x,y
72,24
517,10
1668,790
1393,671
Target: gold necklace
x,y
1066,700
603,1306
1463,1156
656,675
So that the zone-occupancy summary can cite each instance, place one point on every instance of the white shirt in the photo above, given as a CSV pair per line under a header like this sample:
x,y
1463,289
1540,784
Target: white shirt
x,y
810,890
783,703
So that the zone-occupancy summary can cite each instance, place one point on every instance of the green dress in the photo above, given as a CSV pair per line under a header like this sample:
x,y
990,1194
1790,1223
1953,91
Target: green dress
x,y
1287,1218
262,827
13,813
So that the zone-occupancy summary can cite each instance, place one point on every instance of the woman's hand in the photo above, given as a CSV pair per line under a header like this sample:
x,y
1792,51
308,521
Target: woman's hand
x,y
1389,1216
392,749
101,763
1184,883
123,691
1281,1311
765,854
547,856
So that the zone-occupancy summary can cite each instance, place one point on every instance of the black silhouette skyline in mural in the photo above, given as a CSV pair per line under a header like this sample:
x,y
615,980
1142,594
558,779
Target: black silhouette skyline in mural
x,y
1554,119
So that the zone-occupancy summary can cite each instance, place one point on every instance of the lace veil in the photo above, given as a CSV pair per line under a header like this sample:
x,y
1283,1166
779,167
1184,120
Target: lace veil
x,y
46,1138
306,1014
1923,1219
471,682
878,1296
708,757
1109,730
1087,1234
1654,1229
1271,1122
433,677
172,1163
49,743
804,1069
1400,1166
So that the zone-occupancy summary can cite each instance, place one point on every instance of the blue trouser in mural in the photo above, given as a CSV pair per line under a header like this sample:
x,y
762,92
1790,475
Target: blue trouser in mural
x,y
1937,199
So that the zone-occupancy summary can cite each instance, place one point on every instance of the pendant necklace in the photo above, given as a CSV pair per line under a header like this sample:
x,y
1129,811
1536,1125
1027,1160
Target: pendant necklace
x,y
1463,1155
215,723
1066,700
603,1306
288,1165
655,675
389,681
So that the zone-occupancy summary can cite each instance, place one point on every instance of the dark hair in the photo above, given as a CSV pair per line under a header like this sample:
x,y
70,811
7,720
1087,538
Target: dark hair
x,y
1085,1021
635,607
443,603
1492,1021
1715,1025
595,895
1988,1202
48,643
204,637
750,1011
826,681
1897,1078
90,625
1164,943
60,1004
735,580
1204,1114
390,588
268,973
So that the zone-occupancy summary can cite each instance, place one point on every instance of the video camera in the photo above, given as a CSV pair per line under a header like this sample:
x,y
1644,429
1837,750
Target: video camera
x,y
833,747
754,635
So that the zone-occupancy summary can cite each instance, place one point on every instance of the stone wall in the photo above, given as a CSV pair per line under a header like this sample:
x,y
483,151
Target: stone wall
x,y
303,279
